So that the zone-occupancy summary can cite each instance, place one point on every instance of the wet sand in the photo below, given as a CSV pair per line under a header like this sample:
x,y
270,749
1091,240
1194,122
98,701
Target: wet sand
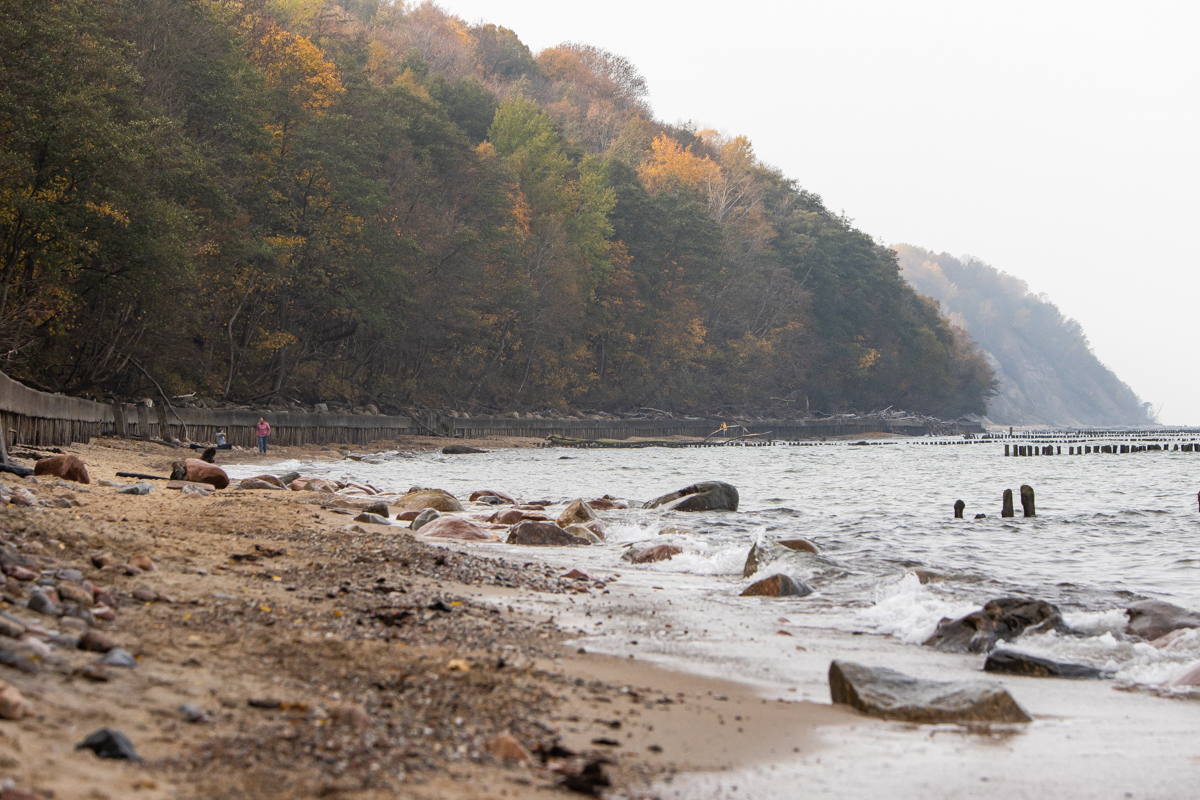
x,y
379,665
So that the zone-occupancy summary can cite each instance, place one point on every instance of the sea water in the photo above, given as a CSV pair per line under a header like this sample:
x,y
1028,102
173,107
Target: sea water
x,y
1109,530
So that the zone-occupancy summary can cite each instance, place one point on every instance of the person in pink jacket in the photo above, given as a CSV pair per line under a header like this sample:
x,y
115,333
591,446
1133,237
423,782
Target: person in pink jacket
x,y
263,429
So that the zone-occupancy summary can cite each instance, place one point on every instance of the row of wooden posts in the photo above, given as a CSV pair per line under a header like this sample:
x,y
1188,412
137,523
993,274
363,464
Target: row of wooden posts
x,y
1056,450
1006,508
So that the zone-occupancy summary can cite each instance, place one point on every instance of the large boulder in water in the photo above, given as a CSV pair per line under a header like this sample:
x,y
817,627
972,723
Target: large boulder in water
x,y
777,586
429,498
543,534
1010,662
501,496
1151,619
1004,618
888,694
703,496
67,467
658,552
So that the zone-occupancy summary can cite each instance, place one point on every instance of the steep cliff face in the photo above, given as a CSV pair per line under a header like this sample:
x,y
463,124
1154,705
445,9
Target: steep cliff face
x,y
1046,370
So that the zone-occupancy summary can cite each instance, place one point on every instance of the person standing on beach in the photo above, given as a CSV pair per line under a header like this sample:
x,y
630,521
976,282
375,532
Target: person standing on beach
x,y
263,429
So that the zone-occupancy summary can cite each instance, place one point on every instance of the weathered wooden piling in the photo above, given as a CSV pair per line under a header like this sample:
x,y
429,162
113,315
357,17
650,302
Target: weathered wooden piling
x,y
1007,509
1006,451
143,410
959,506
1027,500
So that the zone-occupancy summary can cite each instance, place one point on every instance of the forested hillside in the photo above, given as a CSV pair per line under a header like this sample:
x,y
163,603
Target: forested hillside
x,y
1045,368
376,202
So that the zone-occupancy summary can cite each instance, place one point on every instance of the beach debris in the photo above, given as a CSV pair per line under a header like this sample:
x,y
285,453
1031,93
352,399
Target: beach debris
x,y
1010,662
460,450
578,512
959,507
454,528
888,694
590,778
194,713
507,747
67,467
110,743
429,498
483,493
119,657
703,496
257,483
542,534
423,518
373,519
1004,618
658,552
140,487
1151,619
193,470
13,704
1027,500
1006,509
777,586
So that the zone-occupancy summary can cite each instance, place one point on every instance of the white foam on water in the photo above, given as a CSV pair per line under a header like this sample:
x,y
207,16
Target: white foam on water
x,y
1095,623
910,611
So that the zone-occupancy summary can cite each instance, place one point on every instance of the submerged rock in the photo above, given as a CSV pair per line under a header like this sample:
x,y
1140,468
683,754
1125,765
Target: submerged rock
x,y
429,498
607,503
1009,662
766,551
542,534
1004,618
888,694
658,552
1151,619
703,496
777,586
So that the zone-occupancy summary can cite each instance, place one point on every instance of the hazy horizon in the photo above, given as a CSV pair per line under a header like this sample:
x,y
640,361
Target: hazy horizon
x,y
1050,142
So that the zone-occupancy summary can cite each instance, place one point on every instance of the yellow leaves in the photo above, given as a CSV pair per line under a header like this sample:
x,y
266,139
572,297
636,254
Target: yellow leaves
x,y
868,359
294,66
669,166
107,210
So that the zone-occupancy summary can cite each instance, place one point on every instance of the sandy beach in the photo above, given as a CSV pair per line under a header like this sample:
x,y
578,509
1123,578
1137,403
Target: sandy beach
x,y
325,661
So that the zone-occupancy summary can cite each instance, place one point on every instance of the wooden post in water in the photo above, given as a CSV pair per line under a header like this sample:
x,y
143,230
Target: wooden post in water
x,y
1007,509
959,506
1006,451
1027,500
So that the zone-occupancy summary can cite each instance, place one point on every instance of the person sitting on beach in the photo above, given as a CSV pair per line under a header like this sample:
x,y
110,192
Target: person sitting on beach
x,y
222,443
263,429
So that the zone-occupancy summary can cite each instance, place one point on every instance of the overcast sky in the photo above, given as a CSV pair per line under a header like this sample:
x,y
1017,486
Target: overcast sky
x,y
1054,141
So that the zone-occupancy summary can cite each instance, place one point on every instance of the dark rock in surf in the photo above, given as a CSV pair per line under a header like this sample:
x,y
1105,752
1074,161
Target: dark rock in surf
x,y
460,450
887,694
777,586
1151,619
703,496
1009,662
1005,619
541,534
658,552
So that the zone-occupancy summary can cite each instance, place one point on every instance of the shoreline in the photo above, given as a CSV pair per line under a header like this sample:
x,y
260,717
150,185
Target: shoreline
x,y
302,627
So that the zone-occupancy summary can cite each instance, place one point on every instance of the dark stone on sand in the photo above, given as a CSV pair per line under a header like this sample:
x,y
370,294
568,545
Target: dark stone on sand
x,y
460,450
257,483
138,488
1151,619
373,519
888,694
39,602
777,586
97,641
378,507
541,534
119,657
110,743
659,552
11,629
1004,618
703,496
1009,662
